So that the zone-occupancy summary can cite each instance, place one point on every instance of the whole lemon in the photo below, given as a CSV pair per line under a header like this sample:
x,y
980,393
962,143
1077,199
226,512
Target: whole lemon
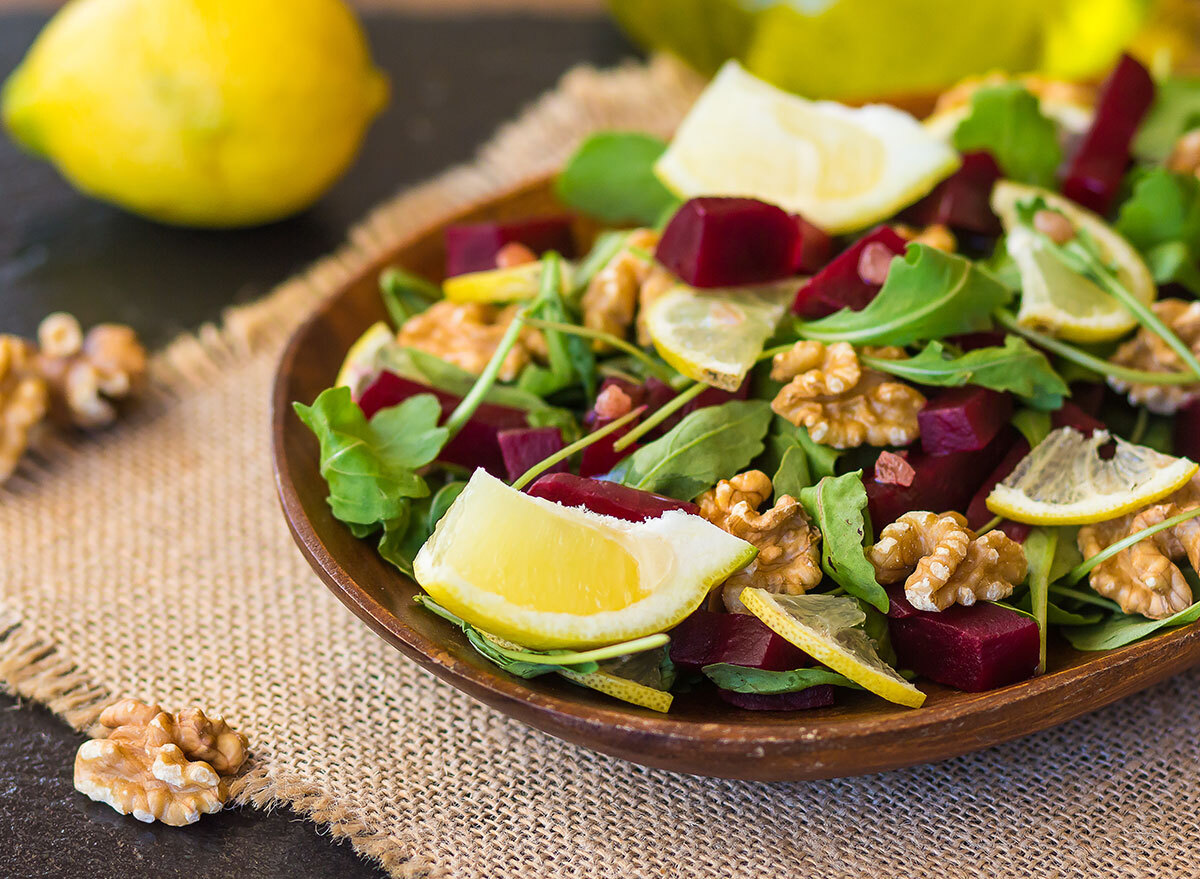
x,y
198,112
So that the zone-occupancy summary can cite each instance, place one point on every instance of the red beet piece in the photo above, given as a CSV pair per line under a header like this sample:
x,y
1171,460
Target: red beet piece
x,y
476,445
1094,172
978,514
606,498
820,696
472,247
969,648
522,447
1089,396
600,457
942,482
813,247
725,242
962,200
892,468
963,419
706,637
839,284
1187,431
1071,415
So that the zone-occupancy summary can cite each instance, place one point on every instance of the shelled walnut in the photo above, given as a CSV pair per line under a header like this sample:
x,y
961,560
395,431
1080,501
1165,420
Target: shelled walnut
x,y
87,374
1144,578
625,286
467,334
24,399
159,766
1147,351
942,562
788,560
936,235
841,403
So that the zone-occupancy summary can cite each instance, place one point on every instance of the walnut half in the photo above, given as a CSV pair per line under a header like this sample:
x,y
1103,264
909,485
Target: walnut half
x,y
943,562
23,401
159,766
1148,352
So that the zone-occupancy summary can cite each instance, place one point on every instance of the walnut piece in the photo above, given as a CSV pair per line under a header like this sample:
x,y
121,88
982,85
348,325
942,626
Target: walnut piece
x,y
467,335
943,562
789,559
936,235
842,404
86,374
1148,352
1144,577
1185,157
159,766
24,399
612,295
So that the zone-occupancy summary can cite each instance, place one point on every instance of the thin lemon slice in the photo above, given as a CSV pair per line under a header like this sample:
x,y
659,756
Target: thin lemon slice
x,y
545,575
716,336
1065,481
509,284
826,627
1056,299
360,359
841,167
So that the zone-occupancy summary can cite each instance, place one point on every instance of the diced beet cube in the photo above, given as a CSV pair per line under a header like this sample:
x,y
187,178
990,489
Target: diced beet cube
x,y
522,447
1071,415
963,419
606,498
707,637
892,468
978,514
1187,431
1093,174
820,696
963,200
476,445
942,482
600,457
1089,396
727,242
472,247
839,285
813,248
974,648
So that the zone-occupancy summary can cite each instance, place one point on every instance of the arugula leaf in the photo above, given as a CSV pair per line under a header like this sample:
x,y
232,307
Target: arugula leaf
x,y
1175,111
1057,616
1121,629
1033,425
370,467
571,359
1040,548
1006,121
743,679
928,294
821,460
1162,220
405,294
836,505
793,474
710,444
1016,367
611,177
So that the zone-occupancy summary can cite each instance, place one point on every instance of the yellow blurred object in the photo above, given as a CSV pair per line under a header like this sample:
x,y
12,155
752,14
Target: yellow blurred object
x,y
198,112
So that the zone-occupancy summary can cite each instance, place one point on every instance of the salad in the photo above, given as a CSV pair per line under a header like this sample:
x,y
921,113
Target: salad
x,y
834,399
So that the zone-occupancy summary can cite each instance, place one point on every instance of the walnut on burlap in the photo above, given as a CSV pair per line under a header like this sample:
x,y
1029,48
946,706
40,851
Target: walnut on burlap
x,y
153,562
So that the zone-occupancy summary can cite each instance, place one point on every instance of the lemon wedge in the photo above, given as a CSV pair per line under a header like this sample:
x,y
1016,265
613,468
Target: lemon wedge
x,y
1053,297
360,359
509,284
716,336
1065,481
841,167
826,627
546,576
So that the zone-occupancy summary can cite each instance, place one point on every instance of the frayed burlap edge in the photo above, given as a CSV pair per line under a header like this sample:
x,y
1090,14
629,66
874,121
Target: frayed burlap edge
x,y
647,97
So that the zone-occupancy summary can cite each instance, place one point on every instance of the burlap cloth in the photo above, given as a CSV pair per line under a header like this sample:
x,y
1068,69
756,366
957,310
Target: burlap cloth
x,y
154,562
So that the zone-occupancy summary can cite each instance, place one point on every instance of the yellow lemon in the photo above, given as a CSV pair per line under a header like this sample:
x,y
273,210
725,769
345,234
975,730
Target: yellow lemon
x,y
198,112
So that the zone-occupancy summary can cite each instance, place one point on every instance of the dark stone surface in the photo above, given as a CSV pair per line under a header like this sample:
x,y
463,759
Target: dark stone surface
x,y
454,81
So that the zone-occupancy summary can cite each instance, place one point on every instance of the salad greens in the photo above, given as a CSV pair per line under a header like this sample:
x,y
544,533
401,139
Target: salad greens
x,y
611,177
837,504
1007,121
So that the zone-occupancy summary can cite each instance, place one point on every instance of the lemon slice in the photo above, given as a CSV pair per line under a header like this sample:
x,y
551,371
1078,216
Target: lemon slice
x,y
509,284
826,627
716,336
842,168
1064,481
1056,299
545,575
360,359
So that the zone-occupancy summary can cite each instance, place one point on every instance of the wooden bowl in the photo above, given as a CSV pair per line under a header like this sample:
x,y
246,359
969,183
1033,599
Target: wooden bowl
x,y
701,735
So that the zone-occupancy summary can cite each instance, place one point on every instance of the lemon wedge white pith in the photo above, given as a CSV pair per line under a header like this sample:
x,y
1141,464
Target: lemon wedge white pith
x,y
546,576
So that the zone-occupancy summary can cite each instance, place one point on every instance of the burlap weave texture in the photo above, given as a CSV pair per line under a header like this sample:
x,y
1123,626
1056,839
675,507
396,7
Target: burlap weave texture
x,y
154,562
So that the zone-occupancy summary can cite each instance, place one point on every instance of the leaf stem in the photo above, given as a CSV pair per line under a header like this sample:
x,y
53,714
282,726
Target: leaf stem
x,y
769,353
1089,361
599,654
562,454
1085,597
989,526
1082,569
660,371
660,415
466,408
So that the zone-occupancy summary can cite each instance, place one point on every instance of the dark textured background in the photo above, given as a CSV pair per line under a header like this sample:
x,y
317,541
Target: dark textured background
x,y
454,81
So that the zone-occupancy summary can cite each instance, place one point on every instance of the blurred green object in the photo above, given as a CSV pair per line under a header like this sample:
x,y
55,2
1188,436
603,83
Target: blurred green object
x,y
859,49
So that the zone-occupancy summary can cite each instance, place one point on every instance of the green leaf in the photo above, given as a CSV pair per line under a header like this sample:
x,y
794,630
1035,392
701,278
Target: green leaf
x,y
405,294
570,356
1015,367
1161,218
708,445
1040,547
743,679
441,502
928,294
611,177
1121,629
1057,616
792,475
836,504
1006,121
370,467
1174,263
822,460
1033,425
1175,111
